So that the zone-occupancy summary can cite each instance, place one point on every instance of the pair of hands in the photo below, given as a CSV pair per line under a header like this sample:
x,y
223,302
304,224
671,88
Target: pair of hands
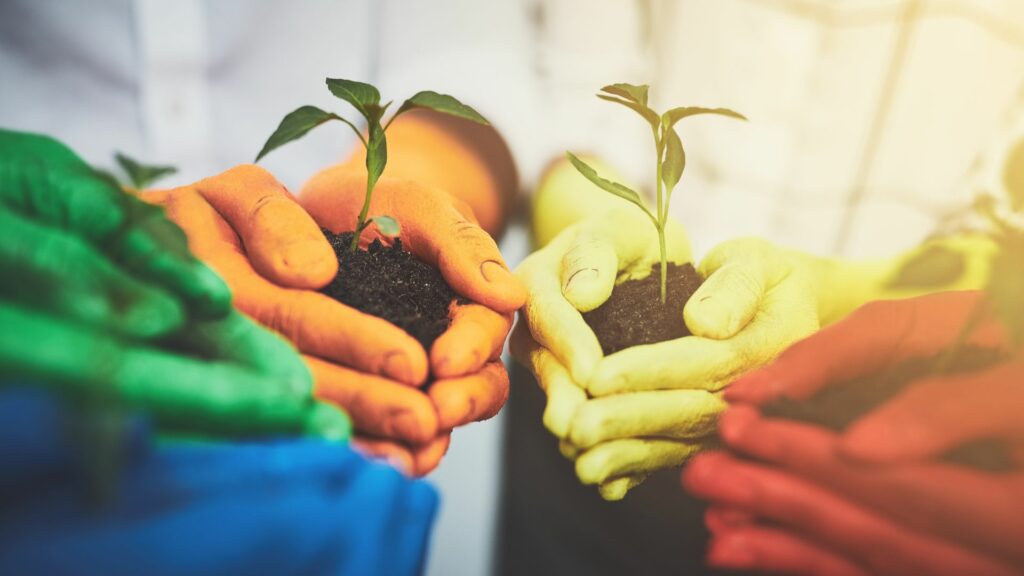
x,y
647,408
269,248
875,498
102,300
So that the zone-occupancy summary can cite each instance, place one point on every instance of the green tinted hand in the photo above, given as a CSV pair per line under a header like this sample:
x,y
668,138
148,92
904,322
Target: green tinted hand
x,y
247,381
44,182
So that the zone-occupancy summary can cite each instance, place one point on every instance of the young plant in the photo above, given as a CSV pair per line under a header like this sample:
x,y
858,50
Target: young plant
x,y
366,100
142,175
670,159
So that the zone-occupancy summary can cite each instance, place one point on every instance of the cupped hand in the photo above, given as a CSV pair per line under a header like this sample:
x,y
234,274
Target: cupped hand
x,y
930,416
650,407
272,253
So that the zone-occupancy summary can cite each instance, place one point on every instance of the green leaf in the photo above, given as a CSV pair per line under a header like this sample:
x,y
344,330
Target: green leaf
x,y
676,114
632,92
387,225
675,159
935,266
295,125
606,185
442,103
359,94
142,175
1013,176
650,115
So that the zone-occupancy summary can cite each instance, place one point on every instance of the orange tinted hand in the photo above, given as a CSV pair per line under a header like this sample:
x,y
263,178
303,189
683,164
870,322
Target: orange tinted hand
x,y
435,227
244,224
412,460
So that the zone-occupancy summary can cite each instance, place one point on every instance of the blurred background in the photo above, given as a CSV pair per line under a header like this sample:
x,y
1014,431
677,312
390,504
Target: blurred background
x,y
870,120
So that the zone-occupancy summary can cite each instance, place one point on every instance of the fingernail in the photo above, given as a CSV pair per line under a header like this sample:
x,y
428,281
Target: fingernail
x,y
495,272
396,366
580,277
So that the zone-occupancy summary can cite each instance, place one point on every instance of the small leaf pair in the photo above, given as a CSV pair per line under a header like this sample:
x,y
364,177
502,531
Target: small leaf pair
x,y
365,98
671,157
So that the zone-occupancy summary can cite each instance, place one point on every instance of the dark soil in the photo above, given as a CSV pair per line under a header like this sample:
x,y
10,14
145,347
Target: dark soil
x,y
634,314
839,405
388,282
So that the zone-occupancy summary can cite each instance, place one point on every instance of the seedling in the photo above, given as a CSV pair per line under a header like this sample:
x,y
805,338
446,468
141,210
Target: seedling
x,y
670,159
138,175
142,175
366,100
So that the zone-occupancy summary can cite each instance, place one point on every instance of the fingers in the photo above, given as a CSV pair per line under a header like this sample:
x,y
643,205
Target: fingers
x,y
588,272
775,496
46,182
786,314
719,519
432,228
315,323
564,396
397,455
476,335
952,502
283,242
377,406
620,244
938,414
632,457
690,363
410,460
727,301
67,278
869,339
156,250
554,324
674,414
198,395
614,490
771,550
470,398
426,458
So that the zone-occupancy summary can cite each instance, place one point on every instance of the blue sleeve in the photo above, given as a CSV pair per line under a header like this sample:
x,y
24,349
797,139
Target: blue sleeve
x,y
279,507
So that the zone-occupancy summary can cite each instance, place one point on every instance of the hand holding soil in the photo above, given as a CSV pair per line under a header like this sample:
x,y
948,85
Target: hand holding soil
x,y
913,473
275,256
649,407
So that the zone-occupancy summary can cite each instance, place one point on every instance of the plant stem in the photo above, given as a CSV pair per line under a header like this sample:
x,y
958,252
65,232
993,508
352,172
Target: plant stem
x,y
661,218
361,222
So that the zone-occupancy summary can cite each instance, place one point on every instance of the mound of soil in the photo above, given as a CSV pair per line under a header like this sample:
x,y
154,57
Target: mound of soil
x,y
634,314
839,405
391,283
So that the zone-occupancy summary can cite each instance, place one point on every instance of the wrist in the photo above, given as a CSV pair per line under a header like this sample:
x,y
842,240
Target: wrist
x,y
845,285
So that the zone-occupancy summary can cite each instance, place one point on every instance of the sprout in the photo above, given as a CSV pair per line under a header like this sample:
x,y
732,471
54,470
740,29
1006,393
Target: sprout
x,y
366,100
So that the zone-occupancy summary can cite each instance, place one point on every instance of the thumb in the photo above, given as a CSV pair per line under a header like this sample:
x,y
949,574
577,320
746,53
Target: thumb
x,y
588,271
281,240
937,415
726,302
